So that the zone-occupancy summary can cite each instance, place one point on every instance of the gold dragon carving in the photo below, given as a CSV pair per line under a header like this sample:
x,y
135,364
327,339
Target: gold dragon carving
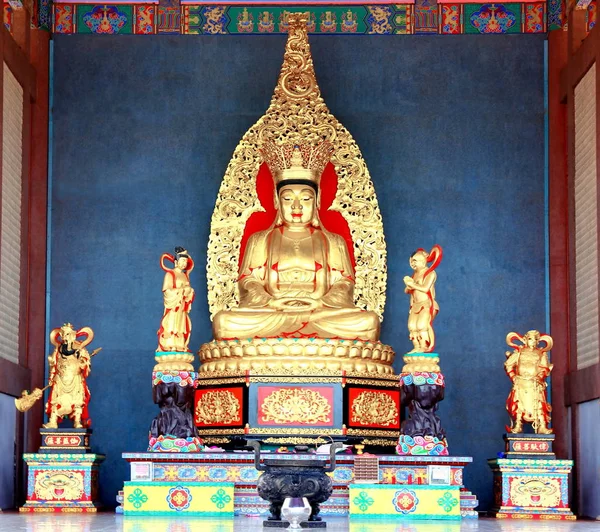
x,y
219,406
296,405
374,408
297,114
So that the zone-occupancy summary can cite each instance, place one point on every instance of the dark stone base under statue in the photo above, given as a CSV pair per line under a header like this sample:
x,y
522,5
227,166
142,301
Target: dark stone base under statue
x,y
175,418
422,432
422,402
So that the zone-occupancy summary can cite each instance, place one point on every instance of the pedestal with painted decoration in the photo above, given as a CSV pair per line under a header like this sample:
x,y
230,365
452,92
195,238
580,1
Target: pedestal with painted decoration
x,y
529,482
423,441
63,475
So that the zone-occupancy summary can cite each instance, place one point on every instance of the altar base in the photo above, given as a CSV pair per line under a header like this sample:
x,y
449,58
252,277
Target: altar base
x,y
238,468
186,498
62,482
298,406
531,489
410,502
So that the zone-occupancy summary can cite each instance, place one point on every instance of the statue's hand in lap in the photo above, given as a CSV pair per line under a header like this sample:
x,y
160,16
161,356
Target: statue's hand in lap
x,y
295,304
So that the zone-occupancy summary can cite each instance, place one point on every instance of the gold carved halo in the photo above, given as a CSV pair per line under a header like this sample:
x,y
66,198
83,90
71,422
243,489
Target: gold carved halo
x,y
297,114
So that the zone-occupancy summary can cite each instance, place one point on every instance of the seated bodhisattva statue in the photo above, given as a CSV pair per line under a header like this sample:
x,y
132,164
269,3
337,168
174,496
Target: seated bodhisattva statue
x,y
296,279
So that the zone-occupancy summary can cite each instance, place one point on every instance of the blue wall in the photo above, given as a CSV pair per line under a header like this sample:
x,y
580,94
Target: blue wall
x,y
450,127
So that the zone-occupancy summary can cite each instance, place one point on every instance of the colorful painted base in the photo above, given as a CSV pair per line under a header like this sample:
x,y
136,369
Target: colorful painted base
x,y
169,444
531,489
419,446
238,468
62,482
189,498
468,503
408,502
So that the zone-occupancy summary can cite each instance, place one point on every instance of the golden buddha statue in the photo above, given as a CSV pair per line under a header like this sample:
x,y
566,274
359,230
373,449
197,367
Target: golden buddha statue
x,y
303,290
296,279
528,367
296,274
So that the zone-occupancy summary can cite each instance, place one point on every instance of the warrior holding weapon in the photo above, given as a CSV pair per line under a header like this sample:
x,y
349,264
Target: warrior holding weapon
x,y
69,369
528,367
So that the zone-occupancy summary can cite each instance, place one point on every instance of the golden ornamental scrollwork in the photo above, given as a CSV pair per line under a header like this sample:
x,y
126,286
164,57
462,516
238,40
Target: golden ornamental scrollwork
x,y
380,442
370,382
215,382
352,377
297,114
219,406
299,432
374,408
220,432
369,432
216,441
295,441
296,380
295,405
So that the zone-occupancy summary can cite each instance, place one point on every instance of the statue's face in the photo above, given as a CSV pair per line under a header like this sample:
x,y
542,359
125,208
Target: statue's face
x,y
297,204
531,341
68,336
182,263
418,261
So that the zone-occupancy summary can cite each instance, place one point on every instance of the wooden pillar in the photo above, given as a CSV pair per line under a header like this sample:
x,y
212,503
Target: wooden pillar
x,y
559,237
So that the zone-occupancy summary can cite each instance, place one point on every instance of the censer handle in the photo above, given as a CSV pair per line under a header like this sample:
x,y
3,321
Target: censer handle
x,y
332,450
256,446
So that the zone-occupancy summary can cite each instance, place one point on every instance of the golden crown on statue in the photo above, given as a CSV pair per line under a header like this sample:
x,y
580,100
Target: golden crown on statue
x,y
303,162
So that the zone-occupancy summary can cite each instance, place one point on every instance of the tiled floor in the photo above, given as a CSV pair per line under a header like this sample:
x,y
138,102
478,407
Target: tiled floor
x,y
105,522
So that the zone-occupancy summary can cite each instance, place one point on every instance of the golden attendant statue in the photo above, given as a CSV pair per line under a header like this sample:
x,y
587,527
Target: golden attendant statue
x,y
528,367
423,306
69,369
178,295
296,279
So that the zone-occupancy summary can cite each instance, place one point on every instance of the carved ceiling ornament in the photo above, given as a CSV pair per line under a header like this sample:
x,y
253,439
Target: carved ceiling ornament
x,y
297,115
